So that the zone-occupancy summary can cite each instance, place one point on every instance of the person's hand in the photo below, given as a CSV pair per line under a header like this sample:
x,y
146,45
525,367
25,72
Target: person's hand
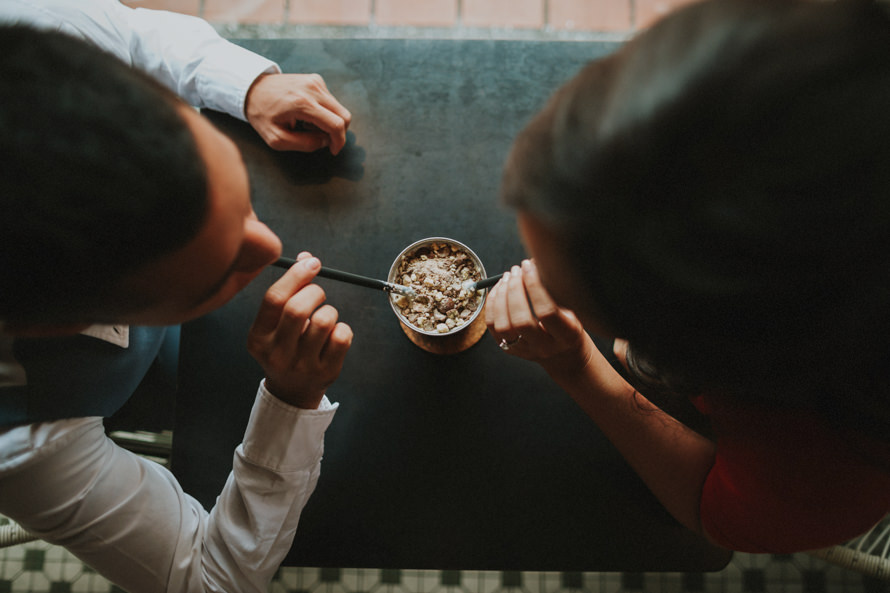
x,y
297,339
296,112
527,323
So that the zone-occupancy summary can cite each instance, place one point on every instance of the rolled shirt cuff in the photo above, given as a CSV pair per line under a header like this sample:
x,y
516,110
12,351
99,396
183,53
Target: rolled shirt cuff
x,y
226,76
285,438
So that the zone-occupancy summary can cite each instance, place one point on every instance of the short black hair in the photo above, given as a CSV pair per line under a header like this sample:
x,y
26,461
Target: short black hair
x,y
722,185
99,174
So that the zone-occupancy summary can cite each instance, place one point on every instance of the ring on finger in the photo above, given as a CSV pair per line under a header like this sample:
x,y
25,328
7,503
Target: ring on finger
x,y
506,345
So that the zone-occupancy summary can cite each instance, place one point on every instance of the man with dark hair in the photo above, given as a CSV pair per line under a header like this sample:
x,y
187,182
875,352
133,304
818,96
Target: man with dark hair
x,y
120,204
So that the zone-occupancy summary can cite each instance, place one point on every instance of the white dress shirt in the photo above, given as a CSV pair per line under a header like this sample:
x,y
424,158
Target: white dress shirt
x,y
182,52
65,481
129,519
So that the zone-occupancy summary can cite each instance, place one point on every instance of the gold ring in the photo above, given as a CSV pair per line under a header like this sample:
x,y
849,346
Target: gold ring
x,y
505,345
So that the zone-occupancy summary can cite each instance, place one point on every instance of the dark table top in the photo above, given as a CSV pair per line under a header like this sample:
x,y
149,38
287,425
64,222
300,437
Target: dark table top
x,y
468,461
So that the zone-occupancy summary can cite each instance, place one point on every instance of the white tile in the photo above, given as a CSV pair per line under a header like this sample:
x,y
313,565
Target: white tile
x,y
15,553
546,582
31,582
353,579
287,577
58,554
10,568
420,581
90,583
714,583
668,582
609,581
53,570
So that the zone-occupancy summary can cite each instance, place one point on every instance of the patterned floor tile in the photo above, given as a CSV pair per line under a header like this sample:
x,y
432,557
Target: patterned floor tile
x,y
37,567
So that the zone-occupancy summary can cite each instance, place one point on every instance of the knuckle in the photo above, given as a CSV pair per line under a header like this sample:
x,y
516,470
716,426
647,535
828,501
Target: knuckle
x,y
325,317
525,325
301,102
294,311
254,344
547,312
277,360
276,298
316,293
340,338
276,141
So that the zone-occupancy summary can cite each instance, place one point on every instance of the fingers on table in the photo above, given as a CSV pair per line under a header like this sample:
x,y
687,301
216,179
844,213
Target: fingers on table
x,y
310,127
300,141
328,101
332,123
324,112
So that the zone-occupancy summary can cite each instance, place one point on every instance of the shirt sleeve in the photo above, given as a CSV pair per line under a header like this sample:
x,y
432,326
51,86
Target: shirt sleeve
x,y
129,519
182,52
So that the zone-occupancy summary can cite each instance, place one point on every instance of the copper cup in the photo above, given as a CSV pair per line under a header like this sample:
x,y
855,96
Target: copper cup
x,y
457,339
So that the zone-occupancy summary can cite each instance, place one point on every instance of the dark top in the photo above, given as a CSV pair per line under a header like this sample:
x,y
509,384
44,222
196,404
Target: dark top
x,y
473,460
786,480
78,376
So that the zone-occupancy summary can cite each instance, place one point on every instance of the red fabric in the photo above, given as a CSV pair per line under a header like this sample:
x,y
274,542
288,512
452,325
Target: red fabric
x,y
786,481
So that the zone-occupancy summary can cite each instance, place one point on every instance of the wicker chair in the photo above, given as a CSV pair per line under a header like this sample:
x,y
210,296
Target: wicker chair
x,y
11,534
869,553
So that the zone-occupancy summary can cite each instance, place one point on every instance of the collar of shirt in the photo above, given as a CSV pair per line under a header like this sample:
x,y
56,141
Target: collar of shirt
x,y
13,374
118,335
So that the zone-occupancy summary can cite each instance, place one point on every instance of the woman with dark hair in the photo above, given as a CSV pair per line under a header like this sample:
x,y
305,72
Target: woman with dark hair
x,y
716,194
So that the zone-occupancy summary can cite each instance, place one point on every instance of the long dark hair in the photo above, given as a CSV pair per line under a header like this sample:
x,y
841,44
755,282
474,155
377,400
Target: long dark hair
x,y
723,186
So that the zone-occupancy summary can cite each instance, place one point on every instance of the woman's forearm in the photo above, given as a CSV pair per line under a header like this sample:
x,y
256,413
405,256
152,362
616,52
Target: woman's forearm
x,y
672,459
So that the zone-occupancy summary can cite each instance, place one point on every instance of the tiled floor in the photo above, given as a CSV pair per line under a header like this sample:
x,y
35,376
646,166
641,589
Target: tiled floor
x,y
39,567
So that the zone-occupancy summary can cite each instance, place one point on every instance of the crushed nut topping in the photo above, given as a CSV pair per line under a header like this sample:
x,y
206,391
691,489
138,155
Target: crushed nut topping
x,y
436,273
